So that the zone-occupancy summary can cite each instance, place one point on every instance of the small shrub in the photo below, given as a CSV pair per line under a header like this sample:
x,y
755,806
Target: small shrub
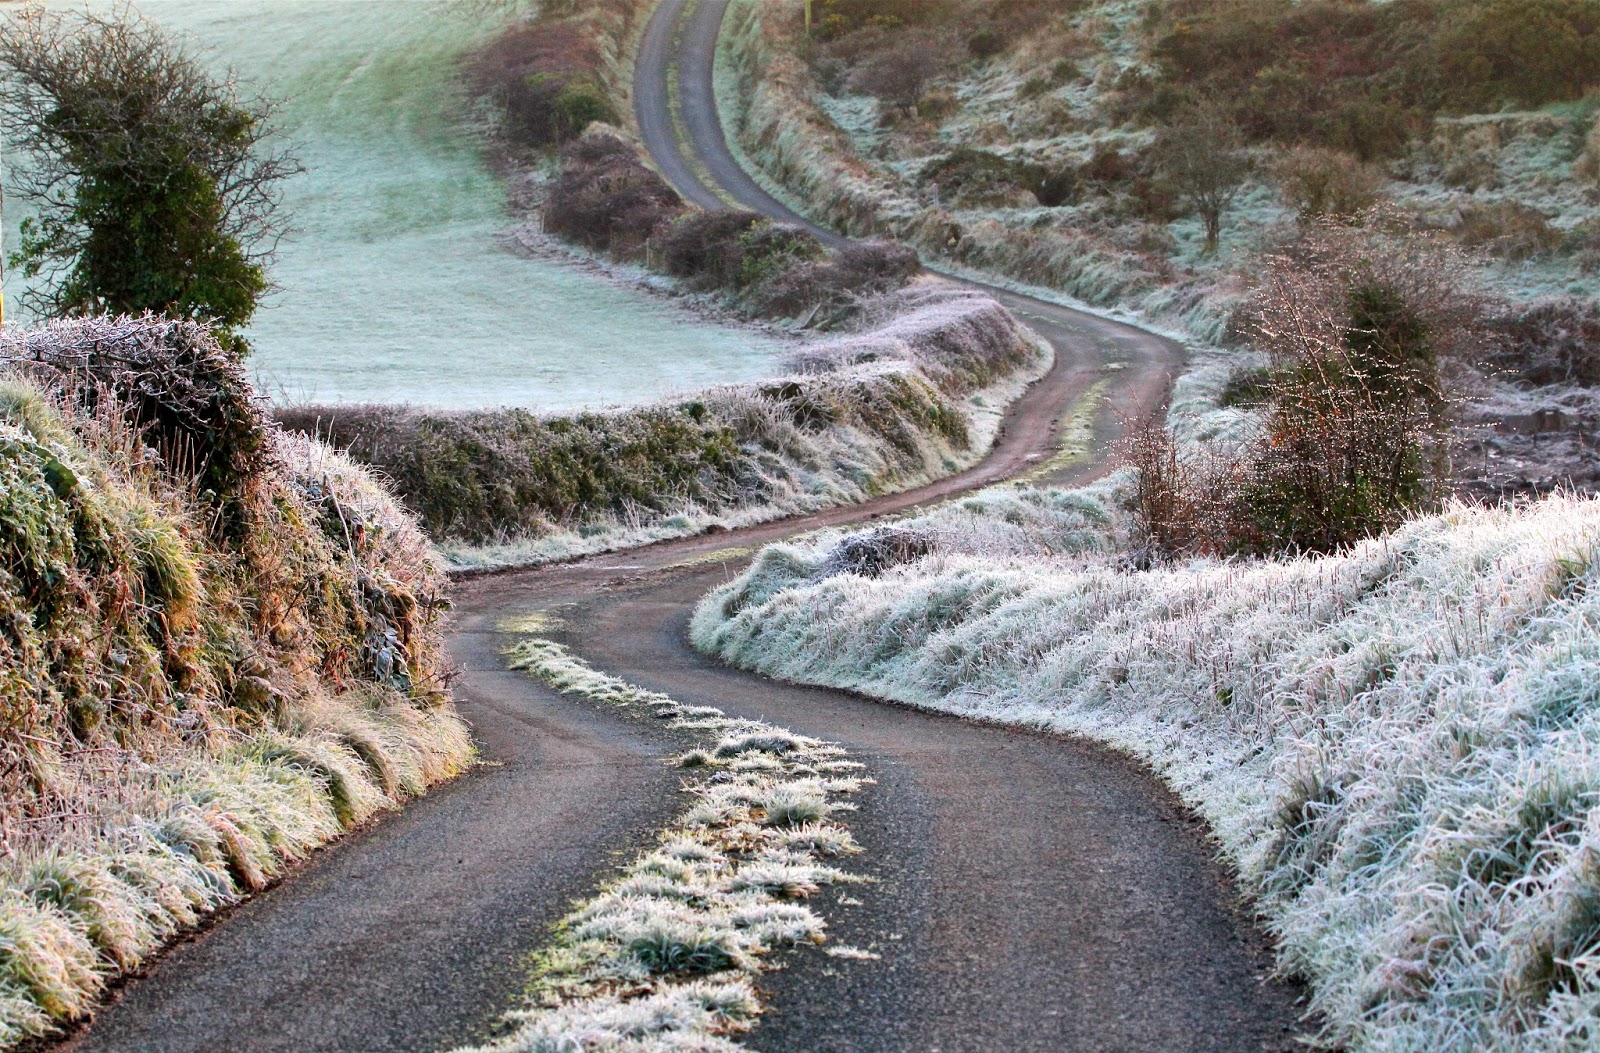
x,y
1509,229
1352,441
538,77
1322,182
978,178
898,74
770,248
707,248
605,198
1588,164
872,553
1248,386
985,43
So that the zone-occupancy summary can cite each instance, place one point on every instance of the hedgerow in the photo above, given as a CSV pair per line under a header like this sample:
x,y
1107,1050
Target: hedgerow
x,y
860,415
219,648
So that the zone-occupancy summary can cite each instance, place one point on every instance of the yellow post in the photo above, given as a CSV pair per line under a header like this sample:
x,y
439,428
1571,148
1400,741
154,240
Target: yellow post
x,y
808,18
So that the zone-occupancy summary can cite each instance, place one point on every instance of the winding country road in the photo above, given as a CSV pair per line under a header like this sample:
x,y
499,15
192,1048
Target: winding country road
x,y
1034,892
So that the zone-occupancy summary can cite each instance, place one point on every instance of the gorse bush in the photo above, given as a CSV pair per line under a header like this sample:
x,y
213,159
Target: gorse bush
x,y
193,691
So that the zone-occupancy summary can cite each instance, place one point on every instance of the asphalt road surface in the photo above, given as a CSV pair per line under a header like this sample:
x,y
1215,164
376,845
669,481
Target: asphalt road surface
x,y
1033,892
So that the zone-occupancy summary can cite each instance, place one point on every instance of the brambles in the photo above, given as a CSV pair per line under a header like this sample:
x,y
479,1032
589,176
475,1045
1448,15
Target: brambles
x,y
1554,342
153,184
539,80
606,199
183,395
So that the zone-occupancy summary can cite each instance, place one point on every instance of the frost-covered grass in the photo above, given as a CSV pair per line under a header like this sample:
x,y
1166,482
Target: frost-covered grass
x,y
666,956
396,286
1398,747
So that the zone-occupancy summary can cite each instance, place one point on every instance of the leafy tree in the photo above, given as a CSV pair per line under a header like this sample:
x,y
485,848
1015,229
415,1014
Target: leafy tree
x,y
152,184
1200,157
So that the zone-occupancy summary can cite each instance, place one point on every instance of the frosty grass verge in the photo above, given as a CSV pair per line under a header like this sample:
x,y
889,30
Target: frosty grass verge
x,y
663,958
1397,747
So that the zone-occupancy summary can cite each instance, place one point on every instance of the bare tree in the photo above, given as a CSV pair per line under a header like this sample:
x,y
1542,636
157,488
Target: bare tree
x,y
155,186
1201,157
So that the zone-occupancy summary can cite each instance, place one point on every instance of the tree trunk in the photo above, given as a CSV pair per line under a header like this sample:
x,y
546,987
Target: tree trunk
x,y
1213,222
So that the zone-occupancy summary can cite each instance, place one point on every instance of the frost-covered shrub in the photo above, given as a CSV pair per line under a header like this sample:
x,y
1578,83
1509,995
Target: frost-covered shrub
x,y
706,248
871,553
177,388
605,198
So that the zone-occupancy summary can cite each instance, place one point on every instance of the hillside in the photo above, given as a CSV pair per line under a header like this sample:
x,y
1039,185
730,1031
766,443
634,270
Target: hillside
x,y
1029,141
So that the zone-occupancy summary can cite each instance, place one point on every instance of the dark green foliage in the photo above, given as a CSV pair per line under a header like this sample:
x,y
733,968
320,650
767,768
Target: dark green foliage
x,y
485,475
151,185
1248,387
706,249
977,177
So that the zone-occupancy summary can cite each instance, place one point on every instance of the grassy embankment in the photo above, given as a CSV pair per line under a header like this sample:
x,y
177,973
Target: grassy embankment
x,y
1395,746
220,649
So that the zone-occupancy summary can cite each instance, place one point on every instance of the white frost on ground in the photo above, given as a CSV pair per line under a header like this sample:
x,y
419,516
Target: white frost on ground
x,y
1399,747
665,957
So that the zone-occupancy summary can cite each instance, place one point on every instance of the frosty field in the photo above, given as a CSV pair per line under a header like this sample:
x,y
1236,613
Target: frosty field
x,y
393,286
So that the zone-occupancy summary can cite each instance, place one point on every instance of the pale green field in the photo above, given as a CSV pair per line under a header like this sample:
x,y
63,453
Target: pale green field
x,y
393,287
